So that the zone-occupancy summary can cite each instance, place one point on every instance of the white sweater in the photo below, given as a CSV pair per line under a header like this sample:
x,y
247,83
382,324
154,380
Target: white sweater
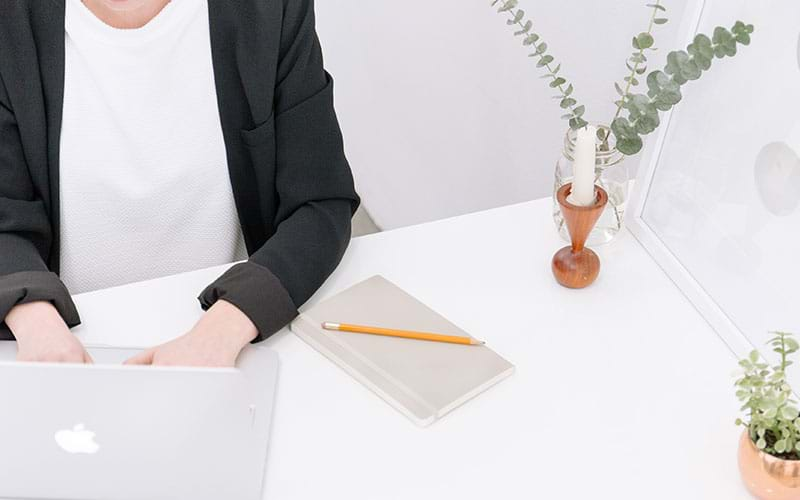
x,y
144,183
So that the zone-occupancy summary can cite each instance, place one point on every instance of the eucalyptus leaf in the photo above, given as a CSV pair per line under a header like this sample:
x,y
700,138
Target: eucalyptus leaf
x,y
544,61
568,102
530,39
645,40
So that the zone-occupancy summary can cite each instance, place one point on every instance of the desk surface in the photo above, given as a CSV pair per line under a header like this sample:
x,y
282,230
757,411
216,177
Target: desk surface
x,y
621,391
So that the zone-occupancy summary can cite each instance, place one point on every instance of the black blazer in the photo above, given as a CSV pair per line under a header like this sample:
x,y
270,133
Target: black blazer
x,y
291,182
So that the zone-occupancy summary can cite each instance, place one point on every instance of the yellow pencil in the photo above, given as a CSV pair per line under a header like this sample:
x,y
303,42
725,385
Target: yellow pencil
x,y
406,334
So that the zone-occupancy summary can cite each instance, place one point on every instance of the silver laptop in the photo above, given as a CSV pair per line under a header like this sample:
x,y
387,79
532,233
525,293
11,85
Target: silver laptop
x,y
113,432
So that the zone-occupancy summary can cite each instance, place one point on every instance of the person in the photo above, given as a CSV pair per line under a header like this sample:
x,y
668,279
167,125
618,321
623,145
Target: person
x,y
142,138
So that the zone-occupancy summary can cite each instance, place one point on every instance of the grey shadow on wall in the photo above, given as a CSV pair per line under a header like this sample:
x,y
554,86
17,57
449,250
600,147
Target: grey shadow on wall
x,y
777,176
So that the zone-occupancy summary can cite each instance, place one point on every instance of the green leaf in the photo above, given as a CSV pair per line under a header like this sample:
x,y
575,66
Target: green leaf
x,y
544,61
660,20
628,141
541,48
646,124
622,128
577,123
630,145
557,82
666,93
740,27
701,54
519,16
657,6
579,111
632,80
743,38
789,413
508,5
724,43
530,39
676,61
619,89
568,102
569,90
644,40
780,445
525,29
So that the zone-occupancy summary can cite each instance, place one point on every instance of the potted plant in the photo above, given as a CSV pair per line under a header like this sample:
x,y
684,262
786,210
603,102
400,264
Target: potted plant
x,y
637,113
769,449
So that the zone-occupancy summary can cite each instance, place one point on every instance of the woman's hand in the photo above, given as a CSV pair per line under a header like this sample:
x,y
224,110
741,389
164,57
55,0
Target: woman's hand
x,y
43,336
215,341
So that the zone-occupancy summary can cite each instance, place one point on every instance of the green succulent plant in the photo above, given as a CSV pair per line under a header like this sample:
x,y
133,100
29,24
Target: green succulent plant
x,y
772,412
637,114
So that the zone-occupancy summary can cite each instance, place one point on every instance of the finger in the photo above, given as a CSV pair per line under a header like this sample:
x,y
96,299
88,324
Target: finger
x,y
143,358
87,358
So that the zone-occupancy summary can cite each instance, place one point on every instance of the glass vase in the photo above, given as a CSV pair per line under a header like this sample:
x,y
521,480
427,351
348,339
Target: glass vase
x,y
611,173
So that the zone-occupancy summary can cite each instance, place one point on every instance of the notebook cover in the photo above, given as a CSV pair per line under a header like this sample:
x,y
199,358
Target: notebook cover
x,y
422,379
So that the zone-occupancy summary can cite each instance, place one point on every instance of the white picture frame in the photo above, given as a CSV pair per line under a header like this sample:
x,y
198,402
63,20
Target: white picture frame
x,y
737,340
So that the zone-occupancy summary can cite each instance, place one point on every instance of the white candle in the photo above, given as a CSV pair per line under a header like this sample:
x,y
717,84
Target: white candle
x,y
583,193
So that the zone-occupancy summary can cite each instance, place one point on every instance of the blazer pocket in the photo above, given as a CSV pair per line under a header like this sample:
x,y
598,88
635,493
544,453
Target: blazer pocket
x,y
260,135
260,143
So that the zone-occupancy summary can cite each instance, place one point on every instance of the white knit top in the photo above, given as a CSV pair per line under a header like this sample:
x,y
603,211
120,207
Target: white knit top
x,y
144,183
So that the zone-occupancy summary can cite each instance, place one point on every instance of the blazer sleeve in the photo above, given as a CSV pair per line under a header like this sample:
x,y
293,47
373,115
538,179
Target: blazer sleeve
x,y
314,184
25,231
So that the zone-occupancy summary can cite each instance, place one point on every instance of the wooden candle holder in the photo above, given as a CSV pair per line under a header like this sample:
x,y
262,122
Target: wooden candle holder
x,y
576,266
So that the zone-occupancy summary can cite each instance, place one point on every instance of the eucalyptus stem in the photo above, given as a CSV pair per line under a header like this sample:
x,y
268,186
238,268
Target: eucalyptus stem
x,y
560,87
656,7
575,111
664,87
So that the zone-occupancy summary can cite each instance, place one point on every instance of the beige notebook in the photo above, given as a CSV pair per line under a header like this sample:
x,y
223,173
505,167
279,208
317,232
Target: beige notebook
x,y
422,379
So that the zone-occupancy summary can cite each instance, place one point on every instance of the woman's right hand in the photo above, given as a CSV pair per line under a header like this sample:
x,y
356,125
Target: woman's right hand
x,y
43,336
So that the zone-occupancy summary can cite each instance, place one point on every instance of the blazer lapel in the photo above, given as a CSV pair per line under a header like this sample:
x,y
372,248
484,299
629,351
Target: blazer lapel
x,y
244,97
50,46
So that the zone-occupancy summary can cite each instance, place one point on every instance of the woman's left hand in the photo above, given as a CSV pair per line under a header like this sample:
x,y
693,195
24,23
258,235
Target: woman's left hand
x,y
215,341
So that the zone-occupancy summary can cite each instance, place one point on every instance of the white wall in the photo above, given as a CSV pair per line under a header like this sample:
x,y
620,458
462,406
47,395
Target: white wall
x,y
442,110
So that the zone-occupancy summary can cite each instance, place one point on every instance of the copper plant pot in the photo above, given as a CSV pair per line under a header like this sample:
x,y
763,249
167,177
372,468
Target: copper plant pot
x,y
767,477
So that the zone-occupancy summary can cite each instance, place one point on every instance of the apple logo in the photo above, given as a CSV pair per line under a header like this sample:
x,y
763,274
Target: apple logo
x,y
77,440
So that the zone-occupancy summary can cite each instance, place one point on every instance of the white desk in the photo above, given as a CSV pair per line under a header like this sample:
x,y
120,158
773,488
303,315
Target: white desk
x,y
621,392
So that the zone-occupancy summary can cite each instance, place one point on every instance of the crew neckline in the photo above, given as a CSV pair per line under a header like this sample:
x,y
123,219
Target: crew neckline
x,y
87,21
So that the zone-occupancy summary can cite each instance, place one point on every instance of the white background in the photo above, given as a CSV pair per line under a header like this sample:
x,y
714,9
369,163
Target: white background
x,y
725,196
442,110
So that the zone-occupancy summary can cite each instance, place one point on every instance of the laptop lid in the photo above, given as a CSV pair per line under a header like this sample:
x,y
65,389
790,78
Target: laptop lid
x,y
113,432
